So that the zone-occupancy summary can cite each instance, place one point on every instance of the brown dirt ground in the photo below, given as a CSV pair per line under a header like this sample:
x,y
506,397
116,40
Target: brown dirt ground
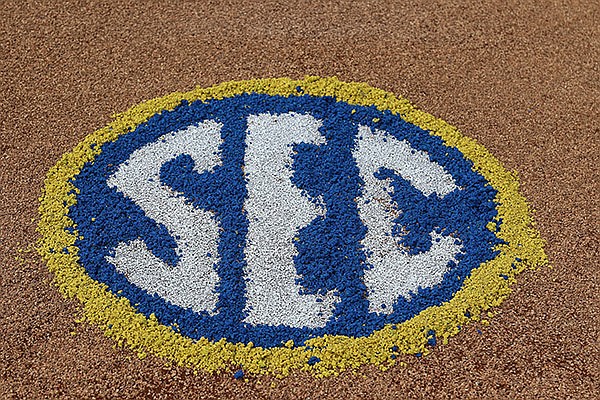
x,y
523,78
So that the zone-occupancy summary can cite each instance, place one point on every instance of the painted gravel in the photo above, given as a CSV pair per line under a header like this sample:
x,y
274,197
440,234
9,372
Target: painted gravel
x,y
273,225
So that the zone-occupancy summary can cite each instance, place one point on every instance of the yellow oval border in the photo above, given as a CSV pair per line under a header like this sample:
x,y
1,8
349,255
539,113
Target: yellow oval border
x,y
485,288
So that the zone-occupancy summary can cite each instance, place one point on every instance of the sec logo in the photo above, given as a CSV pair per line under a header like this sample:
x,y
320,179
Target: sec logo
x,y
273,225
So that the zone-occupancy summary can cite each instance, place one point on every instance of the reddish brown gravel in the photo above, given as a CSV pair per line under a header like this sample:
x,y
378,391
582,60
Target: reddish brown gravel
x,y
521,78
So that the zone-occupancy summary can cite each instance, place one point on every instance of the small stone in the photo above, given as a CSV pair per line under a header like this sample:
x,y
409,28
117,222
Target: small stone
x,y
239,374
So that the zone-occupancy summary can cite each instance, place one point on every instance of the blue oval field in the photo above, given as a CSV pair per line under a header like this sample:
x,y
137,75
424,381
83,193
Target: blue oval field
x,y
329,254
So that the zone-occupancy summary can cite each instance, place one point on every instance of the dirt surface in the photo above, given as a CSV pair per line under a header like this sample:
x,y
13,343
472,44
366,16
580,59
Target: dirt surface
x,y
522,78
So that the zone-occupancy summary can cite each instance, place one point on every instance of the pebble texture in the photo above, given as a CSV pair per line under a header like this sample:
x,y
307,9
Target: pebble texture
x,y
520,79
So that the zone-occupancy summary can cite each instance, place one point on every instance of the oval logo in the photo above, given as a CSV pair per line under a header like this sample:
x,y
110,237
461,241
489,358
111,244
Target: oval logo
x,y
273,225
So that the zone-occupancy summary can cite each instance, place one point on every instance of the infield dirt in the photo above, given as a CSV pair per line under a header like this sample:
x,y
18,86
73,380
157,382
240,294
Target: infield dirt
x,y
522,78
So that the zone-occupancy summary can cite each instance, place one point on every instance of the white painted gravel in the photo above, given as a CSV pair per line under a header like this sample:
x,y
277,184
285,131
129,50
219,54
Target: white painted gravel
x,y
394,272
191,283
277,210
